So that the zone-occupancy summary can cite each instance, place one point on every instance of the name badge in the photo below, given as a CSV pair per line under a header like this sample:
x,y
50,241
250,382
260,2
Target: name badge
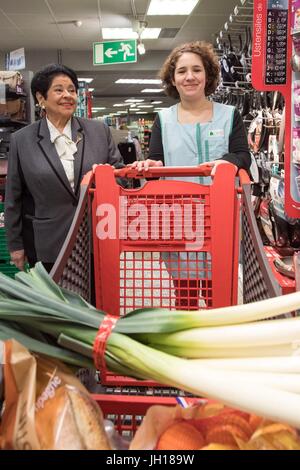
x,y
216,133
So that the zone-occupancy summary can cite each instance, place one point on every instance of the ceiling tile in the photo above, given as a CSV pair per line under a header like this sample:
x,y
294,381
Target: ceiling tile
x,y
73,8
23,7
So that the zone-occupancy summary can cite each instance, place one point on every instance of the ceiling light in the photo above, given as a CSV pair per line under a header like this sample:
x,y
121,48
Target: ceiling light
x,y
134,109
152,90
139,81
119,105
145,106
128,33
133,100
86,80
142,112
156,102
171,7
97,109
77,23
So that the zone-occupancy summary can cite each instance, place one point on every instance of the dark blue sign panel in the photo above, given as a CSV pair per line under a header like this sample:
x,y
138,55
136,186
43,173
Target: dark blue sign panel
x,y
276,45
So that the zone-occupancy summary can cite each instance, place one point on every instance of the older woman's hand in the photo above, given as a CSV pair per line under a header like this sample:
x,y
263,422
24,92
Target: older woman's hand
x,y
146,164
215,164
18,259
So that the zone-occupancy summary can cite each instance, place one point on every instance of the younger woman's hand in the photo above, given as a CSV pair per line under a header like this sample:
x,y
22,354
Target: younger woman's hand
x,y
215,164
146,164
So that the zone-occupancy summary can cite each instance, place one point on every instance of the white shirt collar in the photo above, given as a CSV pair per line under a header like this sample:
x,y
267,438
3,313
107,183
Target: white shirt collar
x,y
54,132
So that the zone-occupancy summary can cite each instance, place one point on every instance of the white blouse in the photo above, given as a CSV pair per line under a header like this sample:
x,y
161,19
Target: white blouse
x,y
65,148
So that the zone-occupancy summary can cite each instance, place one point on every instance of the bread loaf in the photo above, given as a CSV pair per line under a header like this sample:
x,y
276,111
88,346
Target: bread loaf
x,y
71,420
89,421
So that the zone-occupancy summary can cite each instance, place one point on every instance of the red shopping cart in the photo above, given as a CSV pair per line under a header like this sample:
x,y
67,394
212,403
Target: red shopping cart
x,y
171,244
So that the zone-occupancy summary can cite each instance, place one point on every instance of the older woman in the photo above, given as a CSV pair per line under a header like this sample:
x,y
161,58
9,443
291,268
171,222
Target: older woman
x,y
46,163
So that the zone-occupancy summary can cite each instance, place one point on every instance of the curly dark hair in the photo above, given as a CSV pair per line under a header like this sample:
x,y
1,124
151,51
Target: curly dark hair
x,y
43,79
210,61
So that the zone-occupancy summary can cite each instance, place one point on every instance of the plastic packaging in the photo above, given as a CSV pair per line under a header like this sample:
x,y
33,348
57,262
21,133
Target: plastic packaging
x,y
296,99
295,16
117,442
296,146
221,428
46,407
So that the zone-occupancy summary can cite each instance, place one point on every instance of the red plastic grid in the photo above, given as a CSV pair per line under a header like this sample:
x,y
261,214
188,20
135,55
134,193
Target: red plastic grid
x,y
147,280
127,411
166,218
162,278
129,269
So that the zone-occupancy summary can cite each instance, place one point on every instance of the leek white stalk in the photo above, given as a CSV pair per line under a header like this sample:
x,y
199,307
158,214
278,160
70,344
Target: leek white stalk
x,y
226,352
261,310
228,387
287,382
284,364
198,342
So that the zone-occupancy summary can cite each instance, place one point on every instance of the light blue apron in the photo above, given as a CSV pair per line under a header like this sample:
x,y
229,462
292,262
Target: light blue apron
x,y
190,145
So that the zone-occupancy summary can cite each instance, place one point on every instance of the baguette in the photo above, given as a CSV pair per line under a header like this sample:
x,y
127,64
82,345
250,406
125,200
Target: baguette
x,y
89,421
71,420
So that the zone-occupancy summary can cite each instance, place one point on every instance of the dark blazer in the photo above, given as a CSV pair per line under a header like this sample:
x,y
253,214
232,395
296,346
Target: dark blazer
x,y
39,201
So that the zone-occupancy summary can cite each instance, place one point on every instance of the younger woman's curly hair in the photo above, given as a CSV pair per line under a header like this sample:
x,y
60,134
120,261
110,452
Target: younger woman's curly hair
x,y
210,61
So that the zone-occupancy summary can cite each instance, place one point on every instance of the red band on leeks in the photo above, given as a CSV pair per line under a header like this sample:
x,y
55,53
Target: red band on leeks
x,y
105,329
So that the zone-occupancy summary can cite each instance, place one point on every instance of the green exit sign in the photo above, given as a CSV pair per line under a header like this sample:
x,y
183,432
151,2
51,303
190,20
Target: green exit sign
x,y
114,52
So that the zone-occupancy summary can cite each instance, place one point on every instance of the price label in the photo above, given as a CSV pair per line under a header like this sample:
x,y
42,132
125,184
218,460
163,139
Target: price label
x,y
276,44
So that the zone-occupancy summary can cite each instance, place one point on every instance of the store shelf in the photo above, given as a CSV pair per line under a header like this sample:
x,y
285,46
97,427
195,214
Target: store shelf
x,y
13,94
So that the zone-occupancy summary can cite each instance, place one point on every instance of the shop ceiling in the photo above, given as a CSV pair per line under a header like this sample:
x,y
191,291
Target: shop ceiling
x,y
64,30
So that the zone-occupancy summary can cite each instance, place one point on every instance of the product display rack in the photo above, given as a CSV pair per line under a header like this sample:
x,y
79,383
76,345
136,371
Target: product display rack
x,y
5,266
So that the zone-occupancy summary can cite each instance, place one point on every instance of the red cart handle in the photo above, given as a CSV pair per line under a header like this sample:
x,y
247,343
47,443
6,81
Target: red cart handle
x,y
171,171
160,171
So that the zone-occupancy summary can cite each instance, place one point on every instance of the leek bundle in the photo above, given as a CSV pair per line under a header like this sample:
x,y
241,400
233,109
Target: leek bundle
x,y
224,354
